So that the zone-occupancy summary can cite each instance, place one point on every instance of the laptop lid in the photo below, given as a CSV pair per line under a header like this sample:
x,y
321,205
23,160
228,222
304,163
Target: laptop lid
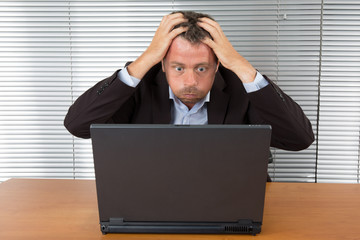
x,y
180,179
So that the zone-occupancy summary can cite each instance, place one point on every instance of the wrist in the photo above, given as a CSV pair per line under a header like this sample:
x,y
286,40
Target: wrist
x,y
244,70
246,74
140,66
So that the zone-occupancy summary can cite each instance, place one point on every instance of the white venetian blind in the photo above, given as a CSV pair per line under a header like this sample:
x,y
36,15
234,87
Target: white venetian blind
x,y
51,52
339,117
35,90
298,49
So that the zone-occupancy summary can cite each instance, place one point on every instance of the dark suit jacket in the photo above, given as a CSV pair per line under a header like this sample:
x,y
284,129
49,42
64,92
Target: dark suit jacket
x,y
112,101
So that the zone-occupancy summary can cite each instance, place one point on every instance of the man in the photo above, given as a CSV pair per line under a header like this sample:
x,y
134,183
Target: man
x,y
191,74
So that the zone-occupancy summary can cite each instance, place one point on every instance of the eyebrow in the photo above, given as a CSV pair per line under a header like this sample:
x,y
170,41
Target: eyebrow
x,y
177,63
182,64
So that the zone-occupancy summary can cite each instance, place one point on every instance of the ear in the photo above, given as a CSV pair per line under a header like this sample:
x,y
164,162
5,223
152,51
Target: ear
x,y
163,65
217,65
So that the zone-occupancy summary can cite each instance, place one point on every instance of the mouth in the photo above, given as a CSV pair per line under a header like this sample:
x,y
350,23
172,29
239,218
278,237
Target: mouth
x,y
190,95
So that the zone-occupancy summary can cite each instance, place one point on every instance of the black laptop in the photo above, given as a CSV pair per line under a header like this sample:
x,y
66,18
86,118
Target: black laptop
x,y
180,179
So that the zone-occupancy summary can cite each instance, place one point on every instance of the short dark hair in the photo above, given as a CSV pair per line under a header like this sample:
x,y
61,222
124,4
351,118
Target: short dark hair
x,y
195,33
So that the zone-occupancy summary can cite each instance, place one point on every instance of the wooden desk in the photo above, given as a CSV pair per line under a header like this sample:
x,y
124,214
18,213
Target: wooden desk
x,y
67,209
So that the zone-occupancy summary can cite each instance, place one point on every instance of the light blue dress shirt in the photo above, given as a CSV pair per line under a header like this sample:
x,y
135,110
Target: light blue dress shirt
x,y
180,114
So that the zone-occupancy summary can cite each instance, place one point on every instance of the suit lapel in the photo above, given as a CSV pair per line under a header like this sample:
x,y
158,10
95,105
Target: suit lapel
x,y
161,103
219,100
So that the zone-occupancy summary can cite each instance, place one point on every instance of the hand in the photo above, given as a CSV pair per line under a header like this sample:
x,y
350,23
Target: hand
x,y
159,46
225,52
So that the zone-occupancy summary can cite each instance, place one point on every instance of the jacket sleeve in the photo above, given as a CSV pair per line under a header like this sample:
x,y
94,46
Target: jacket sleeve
x,y
98,105
291,129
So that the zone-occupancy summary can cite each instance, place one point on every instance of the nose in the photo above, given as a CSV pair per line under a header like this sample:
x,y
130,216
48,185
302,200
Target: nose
x,y
190,79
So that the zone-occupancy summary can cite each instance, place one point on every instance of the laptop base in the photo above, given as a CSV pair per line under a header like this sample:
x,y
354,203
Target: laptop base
x,y
118,225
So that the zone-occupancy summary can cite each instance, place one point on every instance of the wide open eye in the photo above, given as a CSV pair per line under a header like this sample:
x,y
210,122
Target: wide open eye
x,y
179,69
201,69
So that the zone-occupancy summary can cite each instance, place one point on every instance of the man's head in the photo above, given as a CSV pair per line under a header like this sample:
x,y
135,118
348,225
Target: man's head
x,y
189,64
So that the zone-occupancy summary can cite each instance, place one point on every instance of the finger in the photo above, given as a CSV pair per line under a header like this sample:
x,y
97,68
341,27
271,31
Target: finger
x,y
172,16
177,31
168,27
210,22
175,14
212,27
173,19
208,42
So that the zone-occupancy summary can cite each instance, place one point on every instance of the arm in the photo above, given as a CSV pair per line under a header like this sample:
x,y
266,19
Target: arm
x,y
100,103
291,129
225,52
158,46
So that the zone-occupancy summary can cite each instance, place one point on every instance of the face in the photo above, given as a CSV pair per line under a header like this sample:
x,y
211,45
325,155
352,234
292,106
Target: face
x,y
190,70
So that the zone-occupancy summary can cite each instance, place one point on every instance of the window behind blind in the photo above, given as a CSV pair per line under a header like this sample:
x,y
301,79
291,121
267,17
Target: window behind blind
x,y
51,52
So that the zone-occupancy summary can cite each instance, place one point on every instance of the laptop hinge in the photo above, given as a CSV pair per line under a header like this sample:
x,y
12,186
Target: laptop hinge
x,y
104,226
120,226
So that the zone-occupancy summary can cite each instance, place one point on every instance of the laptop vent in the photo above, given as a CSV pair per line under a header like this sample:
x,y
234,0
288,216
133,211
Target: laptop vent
x,y
237,229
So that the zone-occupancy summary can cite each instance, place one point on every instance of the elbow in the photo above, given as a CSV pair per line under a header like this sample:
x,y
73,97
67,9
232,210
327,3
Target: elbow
x,y
299,137
76,129
305,138
294,141
306,142
303,144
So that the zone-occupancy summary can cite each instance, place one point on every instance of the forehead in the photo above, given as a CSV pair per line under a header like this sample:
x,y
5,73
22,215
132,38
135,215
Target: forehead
x,y
182,51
